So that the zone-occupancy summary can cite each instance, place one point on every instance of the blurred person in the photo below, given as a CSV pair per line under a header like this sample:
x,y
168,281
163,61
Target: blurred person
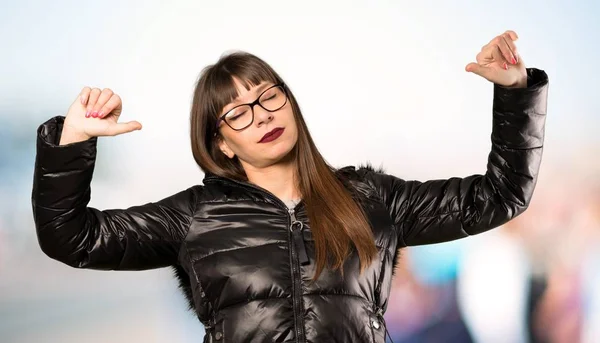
x,y
409,304
590,295
435,268
590,273
558,316
422,306
563,308
276,245
493,288
519,251
567,310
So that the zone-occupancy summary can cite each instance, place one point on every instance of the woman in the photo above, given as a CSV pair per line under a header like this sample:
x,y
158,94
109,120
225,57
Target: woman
x,y
276,245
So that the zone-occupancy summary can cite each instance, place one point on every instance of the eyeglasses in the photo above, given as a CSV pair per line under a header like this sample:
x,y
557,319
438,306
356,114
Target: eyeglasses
x,y
242,116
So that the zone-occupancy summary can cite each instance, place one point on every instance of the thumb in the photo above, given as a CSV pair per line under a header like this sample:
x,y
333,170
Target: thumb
x,y
479,70
120,128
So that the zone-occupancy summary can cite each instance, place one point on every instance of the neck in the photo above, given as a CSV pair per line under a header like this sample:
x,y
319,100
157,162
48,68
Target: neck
x,y
278,179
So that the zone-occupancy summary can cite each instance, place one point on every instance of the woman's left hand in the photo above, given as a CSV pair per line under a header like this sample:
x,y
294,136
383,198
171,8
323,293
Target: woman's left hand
x,y
500,63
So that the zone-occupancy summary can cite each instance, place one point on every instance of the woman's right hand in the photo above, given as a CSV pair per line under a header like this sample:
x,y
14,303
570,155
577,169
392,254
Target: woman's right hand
x,y
95,113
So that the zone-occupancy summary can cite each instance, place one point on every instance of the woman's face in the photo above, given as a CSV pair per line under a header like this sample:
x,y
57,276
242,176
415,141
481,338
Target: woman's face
x,y
269,138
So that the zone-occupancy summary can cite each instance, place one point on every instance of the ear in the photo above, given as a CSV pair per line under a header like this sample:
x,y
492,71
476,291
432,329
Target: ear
x,y
224,147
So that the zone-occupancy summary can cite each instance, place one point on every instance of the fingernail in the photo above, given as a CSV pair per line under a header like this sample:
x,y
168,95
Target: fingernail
x,y
95,114
514,61
87,114
505,66
100,114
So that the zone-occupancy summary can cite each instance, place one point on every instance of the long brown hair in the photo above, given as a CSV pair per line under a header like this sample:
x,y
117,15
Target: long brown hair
x,y
337,221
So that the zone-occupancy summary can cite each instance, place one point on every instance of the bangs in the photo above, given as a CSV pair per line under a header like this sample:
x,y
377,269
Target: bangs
x,y
222,87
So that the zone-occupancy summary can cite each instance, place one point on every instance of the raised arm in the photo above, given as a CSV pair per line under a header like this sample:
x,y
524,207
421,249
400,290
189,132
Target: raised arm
x,y
442,210
136,238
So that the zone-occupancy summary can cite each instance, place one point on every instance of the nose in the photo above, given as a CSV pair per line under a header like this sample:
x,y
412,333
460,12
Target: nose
x,y
262,116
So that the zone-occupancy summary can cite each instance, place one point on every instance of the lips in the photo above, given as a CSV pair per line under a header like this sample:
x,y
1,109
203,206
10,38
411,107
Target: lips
x,y
272,135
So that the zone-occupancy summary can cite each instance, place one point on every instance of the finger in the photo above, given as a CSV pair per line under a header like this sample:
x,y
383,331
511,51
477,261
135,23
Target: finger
x,y
102,99
499,57
486,54
111,104
480,70
499,44
94,95
483,71
84,95
491,53
509,48
512,46
512,34
120,128
481,57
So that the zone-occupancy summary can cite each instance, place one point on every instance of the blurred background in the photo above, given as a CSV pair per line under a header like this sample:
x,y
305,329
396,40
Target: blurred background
x,y
377,81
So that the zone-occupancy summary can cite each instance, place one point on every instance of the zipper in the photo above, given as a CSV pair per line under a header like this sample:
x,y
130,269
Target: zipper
x,y
296,227
296,282
297,251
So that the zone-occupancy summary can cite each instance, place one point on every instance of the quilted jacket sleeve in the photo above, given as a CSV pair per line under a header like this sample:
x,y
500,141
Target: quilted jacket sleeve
x,y
136,238
442,210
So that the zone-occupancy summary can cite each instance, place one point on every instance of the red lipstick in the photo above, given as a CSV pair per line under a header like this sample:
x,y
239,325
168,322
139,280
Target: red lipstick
x,y
272,135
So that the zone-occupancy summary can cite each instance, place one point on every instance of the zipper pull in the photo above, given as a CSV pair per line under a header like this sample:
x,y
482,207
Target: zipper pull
x,y
379,314
296,227
299,242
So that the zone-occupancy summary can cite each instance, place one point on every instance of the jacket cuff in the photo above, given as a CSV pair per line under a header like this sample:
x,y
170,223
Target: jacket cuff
x,y
520,113
53,157
519,98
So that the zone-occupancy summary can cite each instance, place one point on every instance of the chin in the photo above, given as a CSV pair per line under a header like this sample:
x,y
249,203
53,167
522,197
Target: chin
x,y
281,150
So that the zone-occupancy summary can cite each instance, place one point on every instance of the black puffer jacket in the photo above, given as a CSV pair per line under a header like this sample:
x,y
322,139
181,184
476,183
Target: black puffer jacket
x,y
231,244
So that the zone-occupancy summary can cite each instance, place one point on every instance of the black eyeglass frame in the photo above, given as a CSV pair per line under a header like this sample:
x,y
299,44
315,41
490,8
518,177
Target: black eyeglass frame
x,y
252,104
